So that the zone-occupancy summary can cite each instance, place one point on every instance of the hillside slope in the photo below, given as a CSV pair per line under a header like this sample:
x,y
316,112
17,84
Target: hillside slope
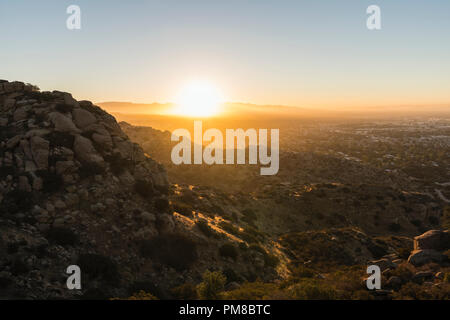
x,y
75,190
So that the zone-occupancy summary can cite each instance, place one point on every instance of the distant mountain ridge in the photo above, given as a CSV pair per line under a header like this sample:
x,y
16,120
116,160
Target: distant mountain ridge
x,y
250,110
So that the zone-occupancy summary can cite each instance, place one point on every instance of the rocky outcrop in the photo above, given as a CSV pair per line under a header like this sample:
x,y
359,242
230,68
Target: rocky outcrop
x,y
63,123
421,257
52,131
85,151
83,118
434,239
62,164
429,247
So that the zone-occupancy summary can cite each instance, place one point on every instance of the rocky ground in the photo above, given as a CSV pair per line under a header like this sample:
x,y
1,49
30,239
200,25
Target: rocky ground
x,y
320,213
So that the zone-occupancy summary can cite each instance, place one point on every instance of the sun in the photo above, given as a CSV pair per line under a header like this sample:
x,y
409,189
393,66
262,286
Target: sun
x,y
198,99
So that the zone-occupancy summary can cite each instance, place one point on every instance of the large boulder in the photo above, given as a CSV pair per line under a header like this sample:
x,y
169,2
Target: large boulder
x,y
63,123
20,114
85,151
40,151
421,257
160,180
103,139
13,142
69,100
124,147
433,239
63,167
83,118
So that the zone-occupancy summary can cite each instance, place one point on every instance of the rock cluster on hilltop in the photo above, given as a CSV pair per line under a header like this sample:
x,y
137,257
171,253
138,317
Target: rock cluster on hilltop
x,y
71,183
53,132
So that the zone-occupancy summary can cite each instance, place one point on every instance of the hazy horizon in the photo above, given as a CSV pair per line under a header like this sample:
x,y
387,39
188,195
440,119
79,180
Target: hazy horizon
x,y
242,109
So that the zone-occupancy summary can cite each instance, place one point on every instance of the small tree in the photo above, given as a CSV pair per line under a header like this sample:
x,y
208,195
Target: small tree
x,y
212,285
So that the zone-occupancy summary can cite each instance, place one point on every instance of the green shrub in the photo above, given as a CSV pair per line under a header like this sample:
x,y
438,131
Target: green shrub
x,y
228,250
141,295
313,290
174,250
147,285
62,236
252,291
212,286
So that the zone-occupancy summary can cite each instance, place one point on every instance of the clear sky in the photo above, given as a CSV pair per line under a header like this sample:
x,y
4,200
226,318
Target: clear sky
x,y
303,53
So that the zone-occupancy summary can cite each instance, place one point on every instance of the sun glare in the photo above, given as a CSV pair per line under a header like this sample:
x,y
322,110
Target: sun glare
x,y
198,99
